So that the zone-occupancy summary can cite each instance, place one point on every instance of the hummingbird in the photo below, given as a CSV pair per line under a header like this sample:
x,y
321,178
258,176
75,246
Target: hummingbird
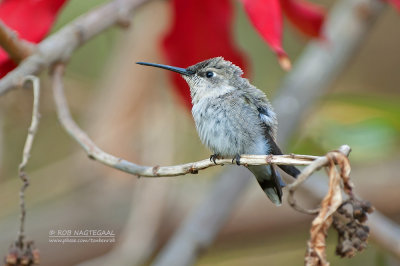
x,y
233,117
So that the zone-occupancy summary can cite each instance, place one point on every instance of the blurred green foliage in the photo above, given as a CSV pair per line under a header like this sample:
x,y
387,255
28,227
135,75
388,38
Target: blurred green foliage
x,y
369,124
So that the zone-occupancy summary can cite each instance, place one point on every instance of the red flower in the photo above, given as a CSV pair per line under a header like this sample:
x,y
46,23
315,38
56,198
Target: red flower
x,y
266,16
201,29
307,18
31,19
267,19
395,3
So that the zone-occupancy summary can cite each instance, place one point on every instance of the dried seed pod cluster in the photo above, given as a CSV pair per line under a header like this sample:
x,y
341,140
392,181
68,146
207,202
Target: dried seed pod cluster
x,y
25,255
349,221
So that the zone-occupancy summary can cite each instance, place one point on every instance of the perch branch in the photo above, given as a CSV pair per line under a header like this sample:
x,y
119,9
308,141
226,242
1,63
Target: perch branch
x,y
97,154
26,153
18,49
61,45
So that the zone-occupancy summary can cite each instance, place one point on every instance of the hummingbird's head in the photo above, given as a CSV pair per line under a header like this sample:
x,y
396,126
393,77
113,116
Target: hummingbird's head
x,y
211,77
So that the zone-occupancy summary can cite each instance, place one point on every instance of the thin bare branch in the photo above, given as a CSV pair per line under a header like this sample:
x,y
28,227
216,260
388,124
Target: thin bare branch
x,y
26,153
18,49
99,155
61,45
306,173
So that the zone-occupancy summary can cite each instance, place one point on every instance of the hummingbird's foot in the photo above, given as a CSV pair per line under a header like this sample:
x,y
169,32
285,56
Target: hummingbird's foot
x,y
237,159
215,156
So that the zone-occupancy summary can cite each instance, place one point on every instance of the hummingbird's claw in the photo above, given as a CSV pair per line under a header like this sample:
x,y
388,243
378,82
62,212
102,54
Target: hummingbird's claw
x,y
213,157
237,159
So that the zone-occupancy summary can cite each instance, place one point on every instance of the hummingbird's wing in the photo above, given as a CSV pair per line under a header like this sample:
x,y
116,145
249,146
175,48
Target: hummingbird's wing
x,y
259,103
274,148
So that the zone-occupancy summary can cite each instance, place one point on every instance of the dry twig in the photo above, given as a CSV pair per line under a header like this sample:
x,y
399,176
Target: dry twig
x,y
27,150
23,253
305,174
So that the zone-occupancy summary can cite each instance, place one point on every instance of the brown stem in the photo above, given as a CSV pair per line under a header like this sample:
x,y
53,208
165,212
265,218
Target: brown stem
x,y
18,49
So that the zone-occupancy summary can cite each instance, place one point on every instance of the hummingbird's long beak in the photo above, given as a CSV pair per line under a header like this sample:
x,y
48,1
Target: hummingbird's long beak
x,y
179,70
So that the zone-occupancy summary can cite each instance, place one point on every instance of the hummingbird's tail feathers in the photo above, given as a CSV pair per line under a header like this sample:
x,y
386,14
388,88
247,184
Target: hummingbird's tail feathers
x,y
274,149
270,182
278,176
272,195
290,170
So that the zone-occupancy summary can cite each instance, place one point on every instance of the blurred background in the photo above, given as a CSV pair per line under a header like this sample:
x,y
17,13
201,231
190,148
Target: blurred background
x,y
132,112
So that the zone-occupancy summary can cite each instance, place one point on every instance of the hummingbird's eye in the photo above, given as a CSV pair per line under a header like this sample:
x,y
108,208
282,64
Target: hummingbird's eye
x,y
209,74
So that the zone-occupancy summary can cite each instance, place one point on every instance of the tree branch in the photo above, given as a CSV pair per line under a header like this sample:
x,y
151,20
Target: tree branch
x,y
18,49
97,154
61,45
